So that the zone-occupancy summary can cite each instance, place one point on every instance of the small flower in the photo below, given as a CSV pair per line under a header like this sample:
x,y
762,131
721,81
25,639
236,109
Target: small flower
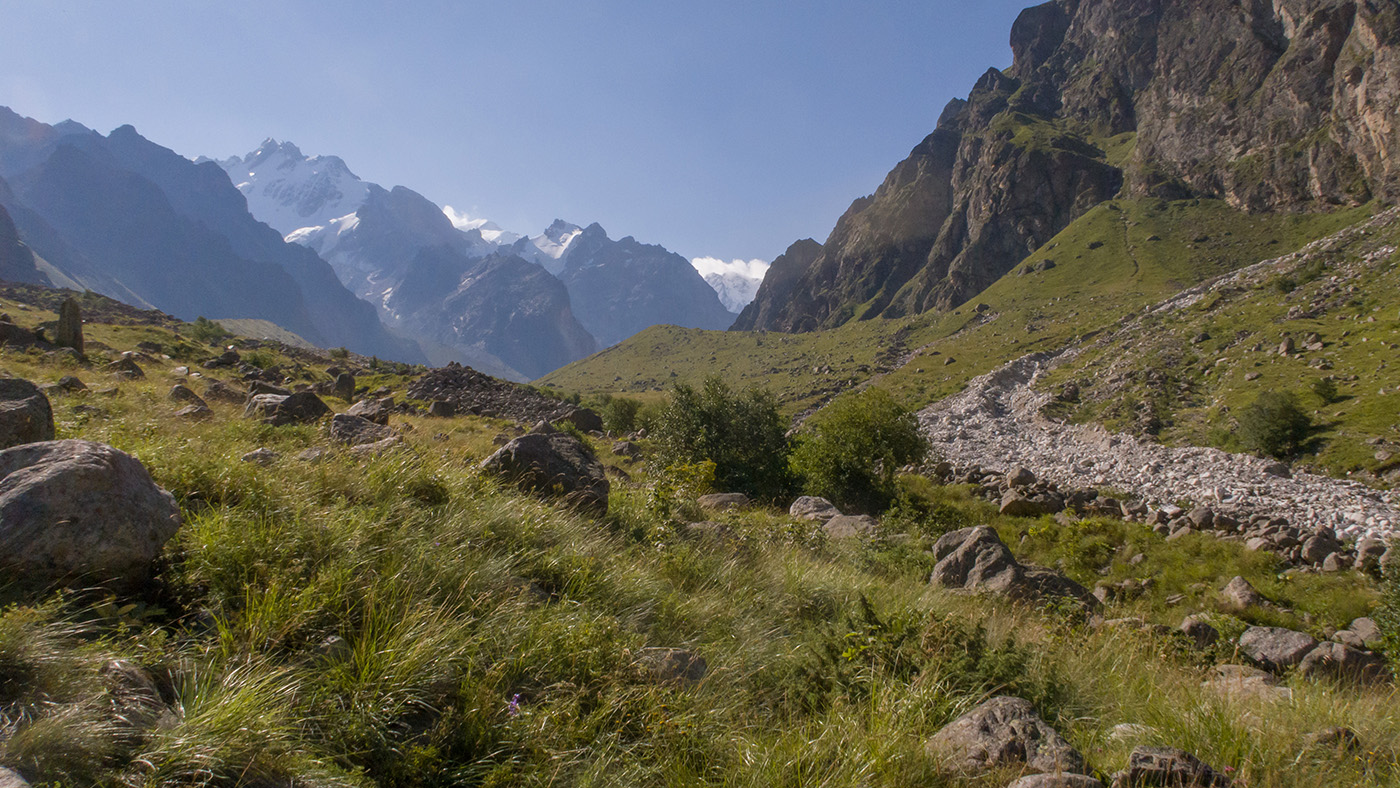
x,y
513,708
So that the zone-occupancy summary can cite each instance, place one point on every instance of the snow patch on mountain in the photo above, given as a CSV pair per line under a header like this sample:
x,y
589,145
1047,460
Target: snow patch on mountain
x,y
490,231
736,281
289,191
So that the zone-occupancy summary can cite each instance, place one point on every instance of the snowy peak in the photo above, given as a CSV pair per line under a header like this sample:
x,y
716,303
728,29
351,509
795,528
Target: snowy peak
x,y
292,192
736,282
488,230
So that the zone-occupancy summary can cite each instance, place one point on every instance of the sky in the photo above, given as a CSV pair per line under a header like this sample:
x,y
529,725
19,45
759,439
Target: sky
x,y
721,129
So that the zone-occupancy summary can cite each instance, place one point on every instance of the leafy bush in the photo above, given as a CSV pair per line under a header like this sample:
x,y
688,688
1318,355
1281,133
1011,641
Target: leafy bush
x,y
1275,424
619,414
855,447
1326,390
1388,615
205,330
741,433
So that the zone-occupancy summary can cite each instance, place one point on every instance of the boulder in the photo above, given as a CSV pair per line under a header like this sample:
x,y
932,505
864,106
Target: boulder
x,y
125,368
263,387
70,384
850,526
219,391
1202,634
723,501
344,386
263,457
181,393
1239,594
1020,477
672,665
375,410
76,509
69,332
976,559
1317,547
1362,633
1168,766
442,409
1368,554
1341,662
277,410
1062,780
584,419
377,448
1016,504
10,778
1004,731
356,431
1276,648
553,463
811,507
25,413
195,412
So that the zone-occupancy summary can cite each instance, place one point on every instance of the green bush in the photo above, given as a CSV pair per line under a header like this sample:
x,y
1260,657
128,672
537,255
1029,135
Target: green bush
x,y
1388,614
854,448
741,433
1326,390
619,414
205,330
1275,424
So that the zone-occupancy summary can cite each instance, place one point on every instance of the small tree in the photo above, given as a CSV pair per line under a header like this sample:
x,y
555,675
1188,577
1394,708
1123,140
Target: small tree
x,y
1325,389
1274,424
205,330
619,414
854,448
741,433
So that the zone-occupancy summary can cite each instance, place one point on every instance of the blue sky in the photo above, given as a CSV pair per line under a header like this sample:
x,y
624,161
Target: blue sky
x,y
725,129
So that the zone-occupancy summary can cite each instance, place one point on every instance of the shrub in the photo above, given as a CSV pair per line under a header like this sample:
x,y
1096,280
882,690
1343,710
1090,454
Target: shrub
x,y
1388,615
619,414
205,330
1326,390
855,447
741,433
1274,425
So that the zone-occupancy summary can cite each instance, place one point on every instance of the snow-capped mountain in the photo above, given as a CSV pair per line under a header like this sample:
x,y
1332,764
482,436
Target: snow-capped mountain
x,y
292,192
490,231
736,281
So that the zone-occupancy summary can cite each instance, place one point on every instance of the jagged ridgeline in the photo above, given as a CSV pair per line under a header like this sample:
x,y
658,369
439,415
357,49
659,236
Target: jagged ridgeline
x,y
1281,106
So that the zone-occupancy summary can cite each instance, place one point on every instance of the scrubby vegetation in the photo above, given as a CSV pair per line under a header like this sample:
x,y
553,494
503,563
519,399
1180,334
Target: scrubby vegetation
x,y
402,619
851,451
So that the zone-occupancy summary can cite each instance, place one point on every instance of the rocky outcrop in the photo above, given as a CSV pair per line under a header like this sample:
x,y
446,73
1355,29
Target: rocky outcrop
x,y
25,413
1268,106
75,509
471,392
554,464
1004,731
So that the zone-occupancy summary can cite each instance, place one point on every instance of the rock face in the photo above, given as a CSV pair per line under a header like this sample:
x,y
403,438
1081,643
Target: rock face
x,y
77,509
1004,731
25,413
554,464
1269,106
976,559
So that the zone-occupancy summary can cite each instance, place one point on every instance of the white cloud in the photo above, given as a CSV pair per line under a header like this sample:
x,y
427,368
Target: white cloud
x,y
750,269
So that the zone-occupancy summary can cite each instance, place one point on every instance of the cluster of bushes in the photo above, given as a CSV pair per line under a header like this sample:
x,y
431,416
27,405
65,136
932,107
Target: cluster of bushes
x,y
849,453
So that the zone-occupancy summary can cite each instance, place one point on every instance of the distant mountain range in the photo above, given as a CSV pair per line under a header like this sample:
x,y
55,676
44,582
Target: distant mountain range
x,y
303,243
463,287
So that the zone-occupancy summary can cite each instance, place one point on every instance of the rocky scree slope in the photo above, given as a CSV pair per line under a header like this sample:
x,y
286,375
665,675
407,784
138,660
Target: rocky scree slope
x,y
1281,106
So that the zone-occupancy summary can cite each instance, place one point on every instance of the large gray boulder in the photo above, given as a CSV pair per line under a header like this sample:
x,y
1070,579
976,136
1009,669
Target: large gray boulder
x,y
80,510
1276,648
553,463
1004,731
375,410
1341,662
1168,766
302,407
356,431
814,508
25,413
975,559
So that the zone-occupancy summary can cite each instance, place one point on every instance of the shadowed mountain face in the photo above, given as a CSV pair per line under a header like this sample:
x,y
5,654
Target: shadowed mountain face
x,y
16,261
133,220
1271,106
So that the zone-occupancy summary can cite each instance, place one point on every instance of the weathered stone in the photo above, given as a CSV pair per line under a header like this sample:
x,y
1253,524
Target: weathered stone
x,y
276,410
344,386
556,464
76,509
263,387
584,419
1063,780
69,332
1015,504
1239,594
850,526
441,409
723,501
1368,554
1168,766
10,778
375,410
355,431
1004,731
25,413
263,456
377,448
1202,634
1276,648
810,507
1202,517
218,391
1020,477
181,393
134,699
672,665
196,412
125,368
1343,663
975,559
1316,548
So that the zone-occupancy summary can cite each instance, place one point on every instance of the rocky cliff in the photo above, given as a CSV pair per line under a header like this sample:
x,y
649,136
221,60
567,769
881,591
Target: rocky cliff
x,y
1288,105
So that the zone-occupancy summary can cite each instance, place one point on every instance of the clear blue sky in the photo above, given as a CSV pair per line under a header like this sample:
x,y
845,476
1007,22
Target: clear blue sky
x,y
727,129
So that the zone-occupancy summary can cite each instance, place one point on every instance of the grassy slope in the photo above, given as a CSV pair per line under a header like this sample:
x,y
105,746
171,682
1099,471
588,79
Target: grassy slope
x,y
453,596
1106,267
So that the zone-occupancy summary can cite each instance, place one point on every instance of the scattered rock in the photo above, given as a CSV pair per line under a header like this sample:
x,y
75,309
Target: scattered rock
x,y
1168,766
181,393
1020,477
25,413
441,409
277,410
356,431
78,509
1341,662
1202,634
1004,731
1276,648
263,457
263,387
126,369
344,386
1015,504
219,391
1056,781
1241,681
196,412
377,448
1239,594
975,559
375,410
811,507
313,454
553,463
723,501
672,665
850,526
135,701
